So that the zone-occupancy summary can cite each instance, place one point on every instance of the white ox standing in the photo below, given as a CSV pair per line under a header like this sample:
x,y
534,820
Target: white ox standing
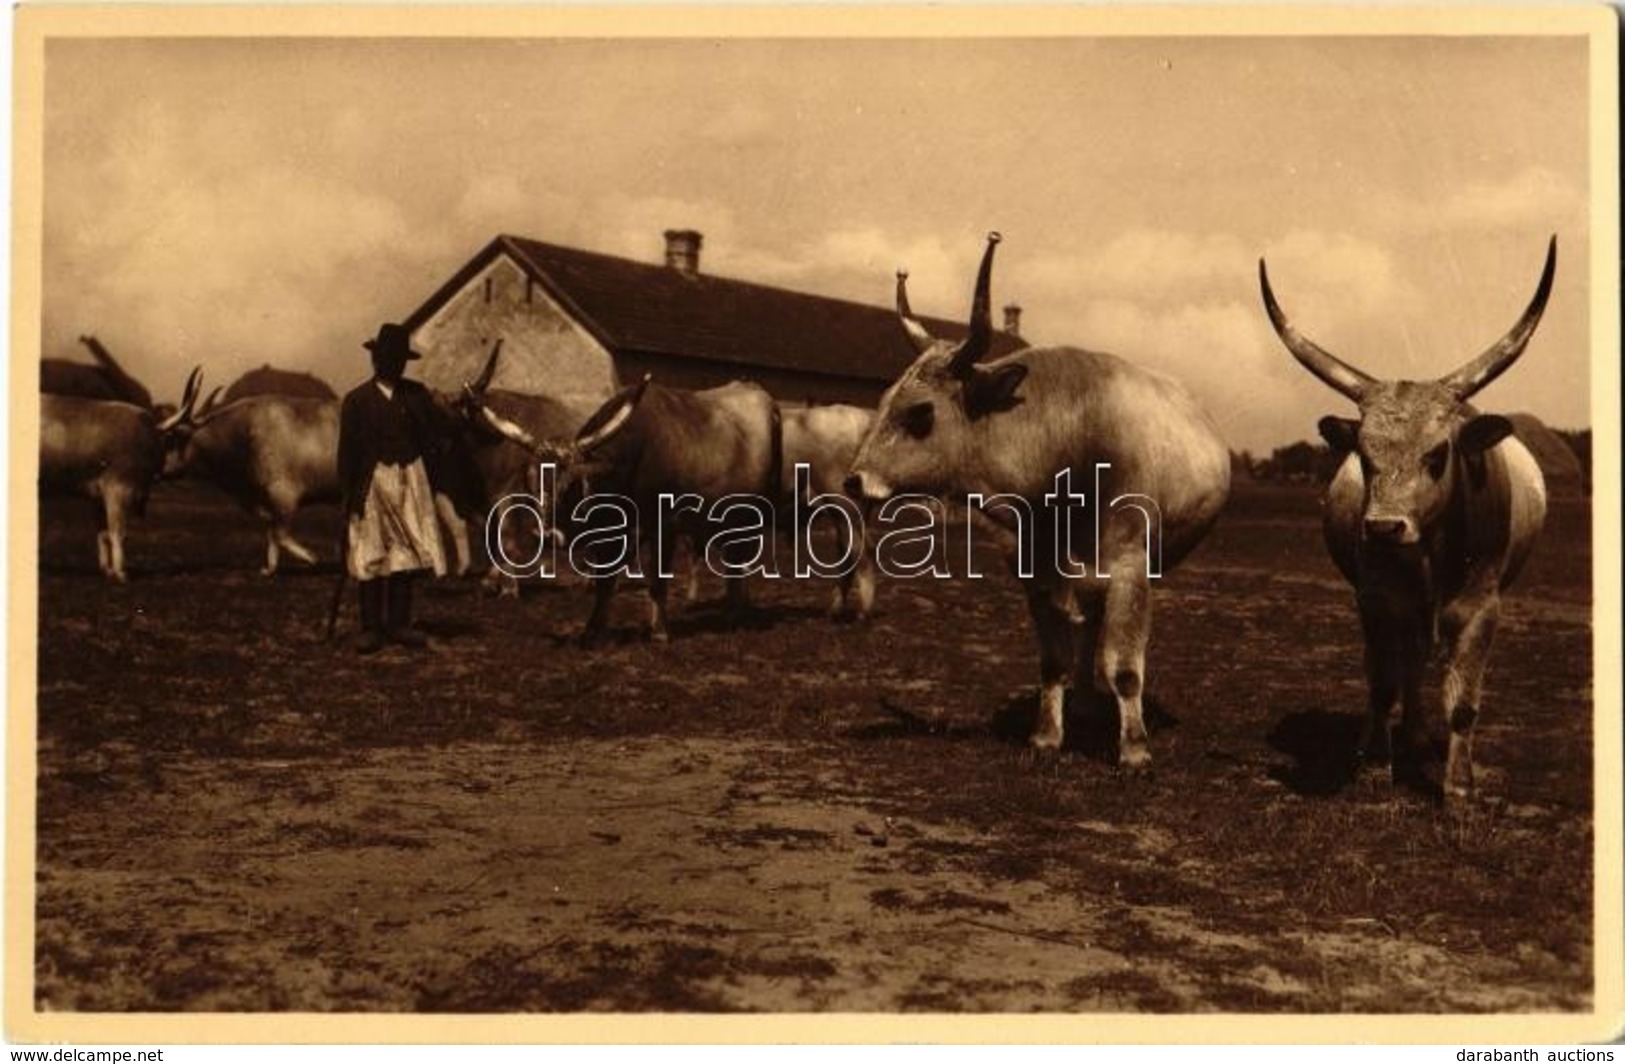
x,y
110,451
1431,515
272,454
952,427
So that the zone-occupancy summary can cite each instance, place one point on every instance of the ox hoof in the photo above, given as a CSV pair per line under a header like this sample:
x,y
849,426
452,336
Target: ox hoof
x,y
1045,741
1458,787
659,635
1134,758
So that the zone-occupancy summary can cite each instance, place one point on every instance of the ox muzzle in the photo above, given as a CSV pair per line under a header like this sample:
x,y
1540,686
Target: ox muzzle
x,y
1390,531
867,487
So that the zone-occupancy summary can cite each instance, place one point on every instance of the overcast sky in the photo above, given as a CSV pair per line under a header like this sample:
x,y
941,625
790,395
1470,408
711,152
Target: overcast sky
x,y
236,202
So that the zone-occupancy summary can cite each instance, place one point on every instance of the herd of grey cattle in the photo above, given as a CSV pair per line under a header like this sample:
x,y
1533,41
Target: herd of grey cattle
x,y
1431,514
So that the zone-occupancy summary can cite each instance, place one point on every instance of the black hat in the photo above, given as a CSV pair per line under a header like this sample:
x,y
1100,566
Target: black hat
x,y
392,339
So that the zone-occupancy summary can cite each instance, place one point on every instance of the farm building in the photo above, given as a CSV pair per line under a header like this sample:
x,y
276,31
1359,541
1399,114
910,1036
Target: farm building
x,y
579,323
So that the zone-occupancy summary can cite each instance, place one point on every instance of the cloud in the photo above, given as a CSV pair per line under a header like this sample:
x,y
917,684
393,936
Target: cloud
x,y
1534,198
176,265
1223,352
491,199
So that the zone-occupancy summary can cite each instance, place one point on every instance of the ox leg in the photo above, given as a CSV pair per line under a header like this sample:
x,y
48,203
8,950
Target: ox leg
x,y
691,591
457,528
603,594
1125,631
1469,631
116,502
284,536
1385,671
658,588
279,535
1051,608
855,590
272,551
104,546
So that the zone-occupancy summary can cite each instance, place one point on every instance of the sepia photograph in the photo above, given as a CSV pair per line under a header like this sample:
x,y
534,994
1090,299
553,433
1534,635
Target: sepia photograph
x,y
733,524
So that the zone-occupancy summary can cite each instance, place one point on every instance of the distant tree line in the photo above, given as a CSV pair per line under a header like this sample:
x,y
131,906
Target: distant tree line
x,y
1302,462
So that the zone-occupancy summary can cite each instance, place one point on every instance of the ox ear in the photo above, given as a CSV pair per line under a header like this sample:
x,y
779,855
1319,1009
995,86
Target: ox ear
x,y
1482,433
1341,433
992,391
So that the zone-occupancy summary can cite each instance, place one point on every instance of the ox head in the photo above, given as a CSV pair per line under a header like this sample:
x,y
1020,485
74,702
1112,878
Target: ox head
x,y
1412,437
175,429
576,460
923,427
581,458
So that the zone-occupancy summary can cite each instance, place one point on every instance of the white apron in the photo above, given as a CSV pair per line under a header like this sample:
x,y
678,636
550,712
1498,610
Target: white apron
x,y
397,531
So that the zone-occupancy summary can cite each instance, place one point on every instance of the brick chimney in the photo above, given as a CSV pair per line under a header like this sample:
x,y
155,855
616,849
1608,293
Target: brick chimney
x,y
683,250
1012,319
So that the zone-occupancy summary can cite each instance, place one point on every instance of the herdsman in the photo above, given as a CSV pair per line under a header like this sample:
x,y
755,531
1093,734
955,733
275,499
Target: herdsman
x,y
387,431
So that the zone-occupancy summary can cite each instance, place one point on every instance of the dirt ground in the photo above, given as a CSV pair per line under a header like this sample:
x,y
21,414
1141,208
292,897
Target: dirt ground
x,y
790,816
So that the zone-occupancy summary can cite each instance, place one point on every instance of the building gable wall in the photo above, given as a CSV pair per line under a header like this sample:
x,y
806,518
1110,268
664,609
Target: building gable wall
x,y
545,351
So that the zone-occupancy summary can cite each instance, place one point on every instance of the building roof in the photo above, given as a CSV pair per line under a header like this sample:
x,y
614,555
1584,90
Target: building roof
x,y
632,306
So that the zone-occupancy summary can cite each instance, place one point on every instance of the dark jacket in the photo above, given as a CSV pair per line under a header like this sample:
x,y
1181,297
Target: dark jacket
x,y
374,428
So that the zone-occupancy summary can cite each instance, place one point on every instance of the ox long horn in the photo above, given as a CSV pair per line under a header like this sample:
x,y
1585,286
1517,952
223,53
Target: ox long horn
x,y
194,384
616,421
508,430
483,381
917,335
1505,351
1334,371
976,344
